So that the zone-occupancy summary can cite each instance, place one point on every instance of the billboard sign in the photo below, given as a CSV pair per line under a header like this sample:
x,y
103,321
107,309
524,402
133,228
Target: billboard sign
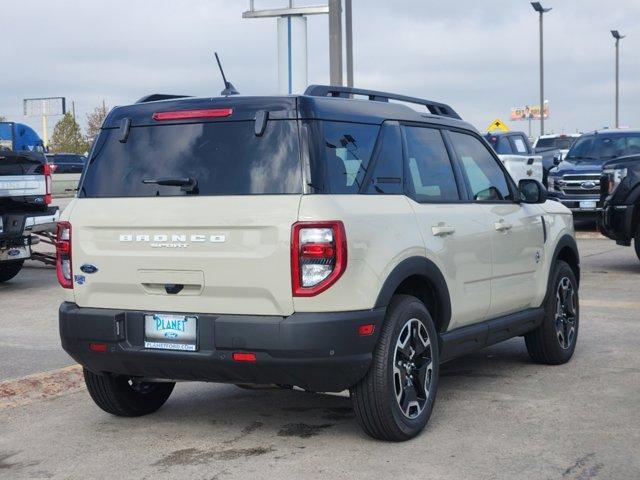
x,y
528,112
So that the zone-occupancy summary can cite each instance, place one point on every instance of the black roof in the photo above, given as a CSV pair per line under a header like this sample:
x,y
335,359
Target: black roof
x,y
307,106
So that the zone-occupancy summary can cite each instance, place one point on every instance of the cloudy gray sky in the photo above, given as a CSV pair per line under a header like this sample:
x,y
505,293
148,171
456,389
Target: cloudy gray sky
x,y
479,56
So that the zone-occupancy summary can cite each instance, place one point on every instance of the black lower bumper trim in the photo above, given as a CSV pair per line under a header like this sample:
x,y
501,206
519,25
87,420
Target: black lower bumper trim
x,y
315,351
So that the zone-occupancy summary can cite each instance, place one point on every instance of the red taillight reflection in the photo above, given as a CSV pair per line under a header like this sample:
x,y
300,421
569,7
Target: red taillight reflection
x,y
244,357
98,347
48,170
366,330
187,114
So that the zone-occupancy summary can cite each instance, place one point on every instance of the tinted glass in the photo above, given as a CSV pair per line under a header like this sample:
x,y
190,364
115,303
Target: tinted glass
x,y
605,146
6,136
340,154
225,158
429,174
562,143
500,144
486,179
387,173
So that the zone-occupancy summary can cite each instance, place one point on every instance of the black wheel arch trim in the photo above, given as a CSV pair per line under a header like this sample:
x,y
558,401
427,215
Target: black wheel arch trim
x,y
419,266
567,241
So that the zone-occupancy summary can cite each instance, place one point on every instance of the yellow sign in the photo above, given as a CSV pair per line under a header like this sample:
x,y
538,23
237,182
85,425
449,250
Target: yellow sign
x,y
497,124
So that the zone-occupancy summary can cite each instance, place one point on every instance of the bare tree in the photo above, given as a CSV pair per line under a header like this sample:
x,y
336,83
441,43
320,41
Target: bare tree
x,y
94,121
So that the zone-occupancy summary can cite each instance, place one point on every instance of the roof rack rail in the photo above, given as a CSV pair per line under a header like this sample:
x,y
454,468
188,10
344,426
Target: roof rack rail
x,y
160,96
435,108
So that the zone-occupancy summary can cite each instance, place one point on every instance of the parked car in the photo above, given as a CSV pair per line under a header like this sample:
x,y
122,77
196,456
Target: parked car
x,y
66,162
575,182
25,203
620,194
516,153
317,241
553,148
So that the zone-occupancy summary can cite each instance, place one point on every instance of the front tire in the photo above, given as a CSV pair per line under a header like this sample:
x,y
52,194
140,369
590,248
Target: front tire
x,y
9,270
395,399
121,396
554,341
636,242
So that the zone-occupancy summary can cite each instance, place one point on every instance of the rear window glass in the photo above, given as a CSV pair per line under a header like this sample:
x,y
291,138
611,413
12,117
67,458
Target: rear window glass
x,y
562,143
500,144
224,158
340,155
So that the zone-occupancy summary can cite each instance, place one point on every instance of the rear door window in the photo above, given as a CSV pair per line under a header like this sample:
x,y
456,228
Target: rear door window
x,y
430,176
224,158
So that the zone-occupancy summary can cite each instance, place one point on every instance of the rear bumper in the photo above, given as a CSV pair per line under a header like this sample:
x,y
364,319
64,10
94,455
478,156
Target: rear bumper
x,y
616,222
315,351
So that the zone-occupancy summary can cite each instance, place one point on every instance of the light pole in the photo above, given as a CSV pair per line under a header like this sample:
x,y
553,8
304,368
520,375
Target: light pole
x,y
618,37
538,8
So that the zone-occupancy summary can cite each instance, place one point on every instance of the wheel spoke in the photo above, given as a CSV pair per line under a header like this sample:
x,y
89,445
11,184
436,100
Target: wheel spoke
x,y
409,397
423,380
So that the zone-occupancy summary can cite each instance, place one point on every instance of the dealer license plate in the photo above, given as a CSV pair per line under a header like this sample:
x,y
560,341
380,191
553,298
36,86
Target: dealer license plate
x,y
170,332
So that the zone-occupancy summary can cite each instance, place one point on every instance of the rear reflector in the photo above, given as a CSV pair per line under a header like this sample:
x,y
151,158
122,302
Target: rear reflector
x,y
187,114
366,330
98,347
244,357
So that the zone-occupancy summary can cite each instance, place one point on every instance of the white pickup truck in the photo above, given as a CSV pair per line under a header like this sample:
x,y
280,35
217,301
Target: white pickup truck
x,y
517,155
25,208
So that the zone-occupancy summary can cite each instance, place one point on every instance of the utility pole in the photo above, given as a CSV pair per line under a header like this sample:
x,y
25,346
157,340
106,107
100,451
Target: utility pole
x,y
292,41
73,109
618,37
335,42
538,8
348,30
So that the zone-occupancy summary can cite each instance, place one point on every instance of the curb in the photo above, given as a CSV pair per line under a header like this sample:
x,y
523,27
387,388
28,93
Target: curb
x,y
41,386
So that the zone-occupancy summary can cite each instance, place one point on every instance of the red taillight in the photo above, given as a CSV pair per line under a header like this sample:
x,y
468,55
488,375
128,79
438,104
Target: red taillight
x,y
64,269
187,114
244,357
47,180
318,256
366,330
98,347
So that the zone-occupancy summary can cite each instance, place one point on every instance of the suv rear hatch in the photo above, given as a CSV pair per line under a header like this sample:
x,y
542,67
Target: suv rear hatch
x,y
185,209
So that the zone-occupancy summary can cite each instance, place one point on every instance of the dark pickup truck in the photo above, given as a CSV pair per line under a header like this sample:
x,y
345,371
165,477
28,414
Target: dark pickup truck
x,y
25,208
620,194
575,182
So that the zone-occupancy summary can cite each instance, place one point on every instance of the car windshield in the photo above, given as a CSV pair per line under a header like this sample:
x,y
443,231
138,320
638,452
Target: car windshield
x,y
560,143
605,146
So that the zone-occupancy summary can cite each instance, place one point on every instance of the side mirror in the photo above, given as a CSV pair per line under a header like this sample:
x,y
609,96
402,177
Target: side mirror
x,y
532,191
556,161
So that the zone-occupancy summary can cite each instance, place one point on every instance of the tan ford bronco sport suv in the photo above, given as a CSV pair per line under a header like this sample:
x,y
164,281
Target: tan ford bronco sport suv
x,y
329,241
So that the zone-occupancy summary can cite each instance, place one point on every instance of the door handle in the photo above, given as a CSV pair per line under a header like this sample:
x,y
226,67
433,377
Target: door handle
x,y
442,230
502,226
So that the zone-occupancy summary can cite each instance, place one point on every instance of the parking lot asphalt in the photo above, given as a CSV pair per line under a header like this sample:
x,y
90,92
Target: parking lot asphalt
x,y
497,416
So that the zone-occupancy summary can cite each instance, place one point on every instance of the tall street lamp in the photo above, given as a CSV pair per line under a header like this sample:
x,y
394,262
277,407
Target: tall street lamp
x,y
618,37
538,8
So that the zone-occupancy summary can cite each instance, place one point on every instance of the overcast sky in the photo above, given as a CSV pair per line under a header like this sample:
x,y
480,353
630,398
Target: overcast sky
x,y
479,56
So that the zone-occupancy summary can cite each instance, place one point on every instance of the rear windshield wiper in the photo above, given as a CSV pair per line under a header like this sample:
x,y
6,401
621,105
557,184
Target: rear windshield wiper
x,y
186,184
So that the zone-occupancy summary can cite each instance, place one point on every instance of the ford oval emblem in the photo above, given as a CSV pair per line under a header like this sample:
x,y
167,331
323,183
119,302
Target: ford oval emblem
x,y
88,268
588,185
13,253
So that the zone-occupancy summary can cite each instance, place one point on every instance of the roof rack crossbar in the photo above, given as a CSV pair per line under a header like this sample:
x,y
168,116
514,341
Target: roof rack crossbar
x,y
434,108
160,96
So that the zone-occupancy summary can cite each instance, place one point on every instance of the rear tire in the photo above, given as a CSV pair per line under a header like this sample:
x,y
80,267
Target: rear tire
x,y
8,270
119,395
554,341
636,242
395,399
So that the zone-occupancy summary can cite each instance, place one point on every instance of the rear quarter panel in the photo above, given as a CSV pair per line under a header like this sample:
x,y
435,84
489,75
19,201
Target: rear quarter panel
x,y
381,232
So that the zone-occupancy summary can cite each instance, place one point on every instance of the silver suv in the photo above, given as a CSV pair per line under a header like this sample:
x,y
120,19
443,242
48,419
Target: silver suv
x,y
333,240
